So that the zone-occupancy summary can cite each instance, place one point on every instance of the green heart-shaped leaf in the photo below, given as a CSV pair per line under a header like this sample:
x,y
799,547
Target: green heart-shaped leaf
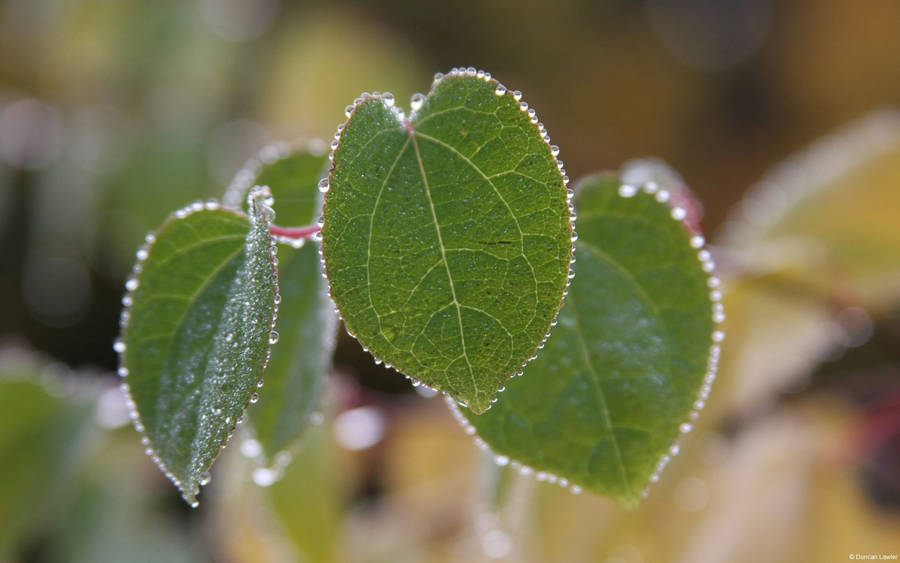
x,y
196,333
631,359
447,236
306,319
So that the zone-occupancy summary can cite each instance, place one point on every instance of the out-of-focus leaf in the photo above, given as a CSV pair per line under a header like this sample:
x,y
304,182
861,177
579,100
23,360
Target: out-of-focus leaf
x,y
198,332
40,441
447,236
295,518
839,199
308,500
619,377
116,513
306,319
291,175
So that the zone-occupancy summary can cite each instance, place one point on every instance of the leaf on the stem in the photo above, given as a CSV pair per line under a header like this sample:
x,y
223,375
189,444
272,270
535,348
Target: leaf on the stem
x,y
447,235
306,320
631,360
196,333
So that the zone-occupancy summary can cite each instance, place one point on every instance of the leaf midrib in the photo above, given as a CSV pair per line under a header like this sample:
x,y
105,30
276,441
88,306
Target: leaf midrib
x,y
601,396
180,323
437,228
509,209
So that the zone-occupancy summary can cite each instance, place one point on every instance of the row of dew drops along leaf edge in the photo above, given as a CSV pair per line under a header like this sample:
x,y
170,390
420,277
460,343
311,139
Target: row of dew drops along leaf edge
x,y
715,350
261,194
416,102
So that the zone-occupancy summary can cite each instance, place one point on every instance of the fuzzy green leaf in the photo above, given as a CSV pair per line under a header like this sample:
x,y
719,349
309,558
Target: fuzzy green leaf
x,y
197,336
306,319
447,236
605,399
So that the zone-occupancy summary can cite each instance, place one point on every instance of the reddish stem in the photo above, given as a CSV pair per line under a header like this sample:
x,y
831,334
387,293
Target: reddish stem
x,y
295,232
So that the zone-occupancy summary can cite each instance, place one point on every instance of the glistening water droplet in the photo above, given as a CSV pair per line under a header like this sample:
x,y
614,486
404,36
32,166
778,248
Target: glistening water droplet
x,y
416,102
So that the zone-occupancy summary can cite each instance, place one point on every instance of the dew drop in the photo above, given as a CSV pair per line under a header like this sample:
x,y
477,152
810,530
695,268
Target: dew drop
x,y
273,337
265,477
627,190
254,397
388,99
119,346
204,478
251,448
416,102
500,90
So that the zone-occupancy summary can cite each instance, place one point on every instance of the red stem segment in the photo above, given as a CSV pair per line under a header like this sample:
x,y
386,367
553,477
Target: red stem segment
x,y
294,232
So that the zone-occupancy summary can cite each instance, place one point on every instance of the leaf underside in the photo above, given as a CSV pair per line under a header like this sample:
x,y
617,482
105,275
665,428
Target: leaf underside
x,y
306,319
447,237
603,402
198,334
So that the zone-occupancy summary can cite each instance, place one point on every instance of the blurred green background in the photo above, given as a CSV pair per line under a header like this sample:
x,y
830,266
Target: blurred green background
x,y
113,113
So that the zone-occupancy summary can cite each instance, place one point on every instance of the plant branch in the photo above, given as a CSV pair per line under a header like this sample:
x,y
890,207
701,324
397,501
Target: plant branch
x,y
295,232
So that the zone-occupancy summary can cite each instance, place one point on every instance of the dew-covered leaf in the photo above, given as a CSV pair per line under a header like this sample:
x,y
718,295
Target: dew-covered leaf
x,y
621,374
308,499
447,236
197,333
306,319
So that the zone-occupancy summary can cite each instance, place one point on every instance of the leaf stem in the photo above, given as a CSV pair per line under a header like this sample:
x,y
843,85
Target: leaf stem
x,y
295,232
